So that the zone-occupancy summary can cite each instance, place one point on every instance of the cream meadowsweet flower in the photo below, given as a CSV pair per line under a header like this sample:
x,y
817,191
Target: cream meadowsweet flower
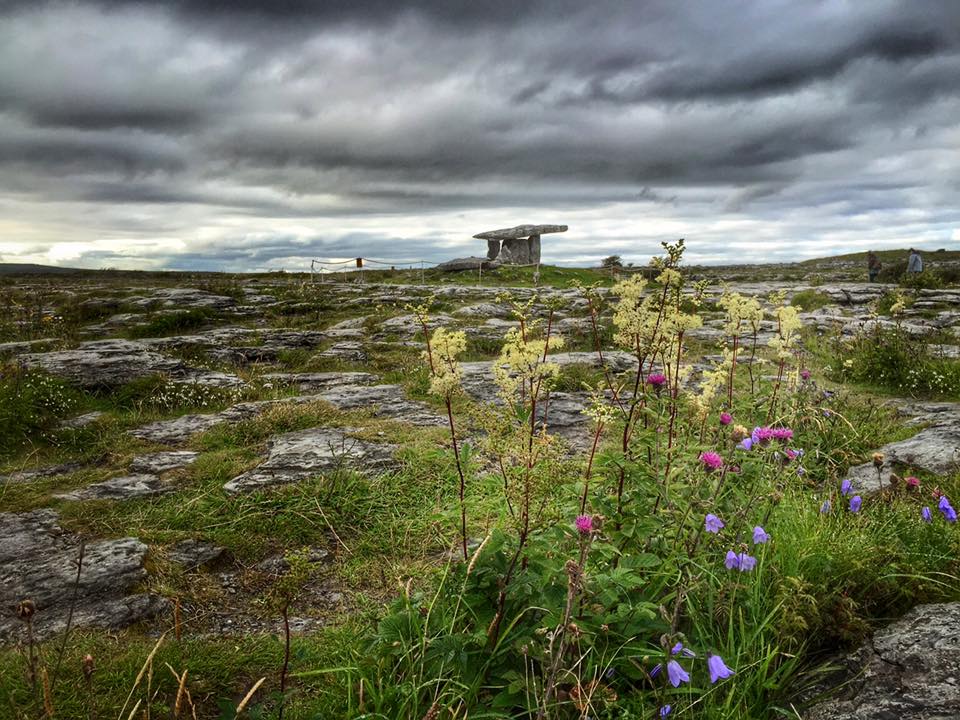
x,y
445,347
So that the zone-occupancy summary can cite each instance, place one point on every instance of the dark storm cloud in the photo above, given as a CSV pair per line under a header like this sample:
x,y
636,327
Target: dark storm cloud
x,y
240,126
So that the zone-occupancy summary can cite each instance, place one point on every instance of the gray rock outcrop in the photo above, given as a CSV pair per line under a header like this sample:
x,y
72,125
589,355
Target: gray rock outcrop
x,y
468,263
910,670
127,487
192,554
111,363
161,462
38,562
384,400
935,449
308,453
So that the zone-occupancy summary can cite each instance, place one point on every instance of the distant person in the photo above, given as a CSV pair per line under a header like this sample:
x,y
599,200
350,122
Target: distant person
x,y
914,262
873,265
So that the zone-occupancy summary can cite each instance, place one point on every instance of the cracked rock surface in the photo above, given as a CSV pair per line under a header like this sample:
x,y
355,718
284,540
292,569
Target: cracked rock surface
x,y
910,670
38,562
307,453
935,449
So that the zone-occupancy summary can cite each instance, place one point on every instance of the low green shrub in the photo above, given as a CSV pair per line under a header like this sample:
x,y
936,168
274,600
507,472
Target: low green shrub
x,y
171,323
811,300
887,357
31,403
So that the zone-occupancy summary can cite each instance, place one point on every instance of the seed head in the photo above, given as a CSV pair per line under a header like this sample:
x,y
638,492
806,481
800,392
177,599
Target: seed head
x,y
26,609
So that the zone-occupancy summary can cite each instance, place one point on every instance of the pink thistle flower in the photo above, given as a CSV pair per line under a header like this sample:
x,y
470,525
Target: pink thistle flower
x,y
766,434
711,460
911,481
726,418
805,374
657,381
584,524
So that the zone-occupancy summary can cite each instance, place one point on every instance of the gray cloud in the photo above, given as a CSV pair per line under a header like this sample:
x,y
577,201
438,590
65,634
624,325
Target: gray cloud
x,y
256,132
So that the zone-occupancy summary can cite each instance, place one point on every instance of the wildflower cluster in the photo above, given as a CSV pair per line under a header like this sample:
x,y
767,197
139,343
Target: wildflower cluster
x,y
445,347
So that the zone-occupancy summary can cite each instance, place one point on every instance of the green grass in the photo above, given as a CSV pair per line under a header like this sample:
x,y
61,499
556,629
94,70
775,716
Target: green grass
x,y
174,323
412,623
809,300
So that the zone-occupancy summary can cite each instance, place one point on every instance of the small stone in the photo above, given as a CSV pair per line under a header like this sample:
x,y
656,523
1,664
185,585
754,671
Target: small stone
x,y
193,554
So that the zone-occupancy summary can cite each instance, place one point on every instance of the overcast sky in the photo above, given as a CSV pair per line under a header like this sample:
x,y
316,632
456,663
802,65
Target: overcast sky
x,y
246,135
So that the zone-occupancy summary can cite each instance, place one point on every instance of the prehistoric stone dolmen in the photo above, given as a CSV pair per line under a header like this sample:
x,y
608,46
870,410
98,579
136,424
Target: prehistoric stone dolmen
x,y
518,245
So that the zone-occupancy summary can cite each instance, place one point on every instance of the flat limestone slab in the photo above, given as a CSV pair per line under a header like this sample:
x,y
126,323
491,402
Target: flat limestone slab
x,y
385,400
308,453
38,562
127,487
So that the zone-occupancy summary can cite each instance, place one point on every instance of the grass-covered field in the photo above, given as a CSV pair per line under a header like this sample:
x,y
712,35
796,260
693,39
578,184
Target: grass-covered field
x,y
579,571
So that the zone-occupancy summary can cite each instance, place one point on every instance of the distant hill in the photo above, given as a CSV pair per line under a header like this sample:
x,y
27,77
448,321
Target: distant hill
x,y
889,256
32,269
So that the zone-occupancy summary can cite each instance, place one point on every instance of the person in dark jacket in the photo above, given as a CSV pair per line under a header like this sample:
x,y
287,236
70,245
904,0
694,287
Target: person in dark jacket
x,y
914,262
873,265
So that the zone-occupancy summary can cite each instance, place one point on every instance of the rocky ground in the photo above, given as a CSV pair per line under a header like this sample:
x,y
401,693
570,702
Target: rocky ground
x,y
290,381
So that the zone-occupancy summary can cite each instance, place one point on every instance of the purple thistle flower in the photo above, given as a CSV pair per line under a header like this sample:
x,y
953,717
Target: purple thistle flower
x,y
718,669
713,524
760,535
825,508
926,514
731,561
676,674
584,524
747,562
711,460
855,502
665,710
846,487
805,374
726,418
